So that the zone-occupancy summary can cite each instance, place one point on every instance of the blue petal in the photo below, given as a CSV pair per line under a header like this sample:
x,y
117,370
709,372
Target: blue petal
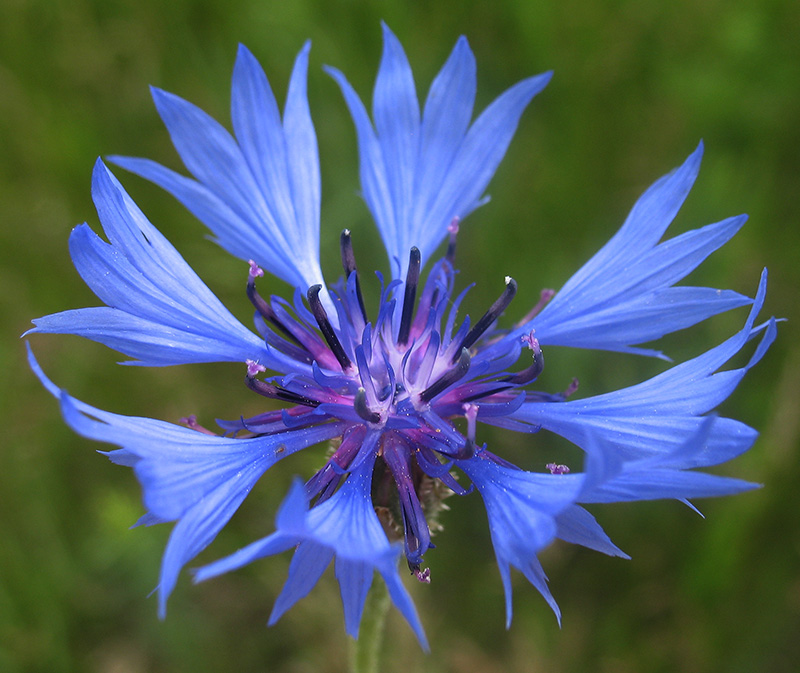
x,y
158,311
623,296
355,580
417,175
396,112
655,477
346,526
260,192
660,414
197,479
577,526
652,484
448,112
308,563
479,155
522,508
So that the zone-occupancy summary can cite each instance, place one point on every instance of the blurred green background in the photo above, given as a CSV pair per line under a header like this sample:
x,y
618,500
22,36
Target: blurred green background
x,y
637,84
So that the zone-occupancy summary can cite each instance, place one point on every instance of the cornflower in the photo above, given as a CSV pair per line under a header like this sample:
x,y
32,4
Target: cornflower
x,y
385,387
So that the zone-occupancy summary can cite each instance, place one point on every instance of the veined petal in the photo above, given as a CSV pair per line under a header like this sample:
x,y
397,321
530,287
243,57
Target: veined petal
x,y
664,475
623,296
303,160
396,112
654,417
577,526
417,175
479,155
197,479
372,171
644,226
522,508
355,580
448,112
346,525
158,309
652,484
259,193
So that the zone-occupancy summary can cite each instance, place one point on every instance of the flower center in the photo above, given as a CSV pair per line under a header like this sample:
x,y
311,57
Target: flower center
x,y
399,380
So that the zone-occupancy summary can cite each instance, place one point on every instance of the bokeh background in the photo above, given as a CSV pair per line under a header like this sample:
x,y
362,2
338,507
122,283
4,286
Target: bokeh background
x,y
637,84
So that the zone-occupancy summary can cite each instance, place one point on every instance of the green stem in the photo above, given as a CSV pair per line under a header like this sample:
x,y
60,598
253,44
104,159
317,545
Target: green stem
x,y
365,652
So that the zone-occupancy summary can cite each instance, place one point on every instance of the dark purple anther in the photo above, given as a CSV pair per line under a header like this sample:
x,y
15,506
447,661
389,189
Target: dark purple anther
x,y
455,373
277,393
492,314
262,306
326,328
349,264
530,373
410,295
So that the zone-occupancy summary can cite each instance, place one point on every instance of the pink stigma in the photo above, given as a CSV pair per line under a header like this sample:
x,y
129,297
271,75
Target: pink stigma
x,y
557,469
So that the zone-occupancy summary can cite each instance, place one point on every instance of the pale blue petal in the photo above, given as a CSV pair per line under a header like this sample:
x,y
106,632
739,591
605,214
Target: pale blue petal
x,y
522,508
417,175
403,602
158,311
308,563
292,514
477,160
658,476
623,295
259,192
448,112
197,479
355,580
660,414
652,484
643,228
577,526
396,112
303,158
233,231
372,171
346,526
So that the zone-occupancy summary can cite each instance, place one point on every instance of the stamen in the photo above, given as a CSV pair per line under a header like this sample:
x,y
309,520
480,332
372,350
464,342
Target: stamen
x,y
573,386
326,328
544,296
492,314
410,295
423,576
254,368
448,378
277,393
255,270
557,469
349,264
191,422
262,306
452,229
531,372
363,410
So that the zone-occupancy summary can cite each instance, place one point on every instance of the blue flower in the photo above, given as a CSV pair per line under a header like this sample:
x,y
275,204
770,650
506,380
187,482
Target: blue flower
x,y
384,387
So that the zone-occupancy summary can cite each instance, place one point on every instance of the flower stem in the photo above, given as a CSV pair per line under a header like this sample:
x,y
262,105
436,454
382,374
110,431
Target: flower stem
x,y
365,652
